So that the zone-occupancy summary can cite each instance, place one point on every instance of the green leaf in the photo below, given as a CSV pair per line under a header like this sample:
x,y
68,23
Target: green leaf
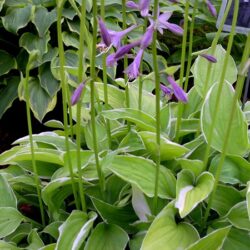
x,y
33,42
237,240
47,80
19,234
75,230
191,191
107,237
34,241
235,169
212,241
195,166
55,193
52,229
201,65
122,216
7,62
225,198
131,142
248,199
43,19
8,198
7,246
168,149
238,216
141,172
10,219
165,233
8,94
41,103
17,18
140,118
70,39
49,138
238,139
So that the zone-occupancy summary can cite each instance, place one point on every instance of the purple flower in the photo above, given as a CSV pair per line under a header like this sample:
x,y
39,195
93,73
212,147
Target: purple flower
x,y
166,90
133,69
77,94
211,8
111,37
147,37
178,91
120,53
210,58
163,23
142,6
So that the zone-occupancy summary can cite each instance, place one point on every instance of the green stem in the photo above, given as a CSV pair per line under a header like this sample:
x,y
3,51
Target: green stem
x,y
238,91
92,99
158,110
140,89
214,43
34,167
183,57
79,105
64,94
190,48
124,26
105,80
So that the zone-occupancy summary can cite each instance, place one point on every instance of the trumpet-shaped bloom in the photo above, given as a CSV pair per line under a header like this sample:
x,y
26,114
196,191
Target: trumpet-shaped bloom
x,y
210,58
120,53
133,69
111,37
211,8
147,37
166,90
77,94
180,94
142,6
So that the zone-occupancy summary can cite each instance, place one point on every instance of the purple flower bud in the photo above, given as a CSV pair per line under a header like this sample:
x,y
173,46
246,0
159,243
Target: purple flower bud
x,y
178,91
211,8
144,7
166,90
133,69
147,37
210,58
132,5
104,33
77,94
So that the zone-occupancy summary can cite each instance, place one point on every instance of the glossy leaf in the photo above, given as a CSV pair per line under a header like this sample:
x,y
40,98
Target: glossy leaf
x,y
212,241
168,150
74,230
238,216
8,94
7,62
165,233
17,18
140,118
107,237
10,219
122,216
191,191
200,70
8,198
141,172
237,141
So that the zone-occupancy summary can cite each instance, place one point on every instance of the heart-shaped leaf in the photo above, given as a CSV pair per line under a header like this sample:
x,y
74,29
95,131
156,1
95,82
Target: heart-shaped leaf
x,y
10,219
165,233
168,149
75,230
212,241
141,172
191,191
106,236
201,66
237,141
